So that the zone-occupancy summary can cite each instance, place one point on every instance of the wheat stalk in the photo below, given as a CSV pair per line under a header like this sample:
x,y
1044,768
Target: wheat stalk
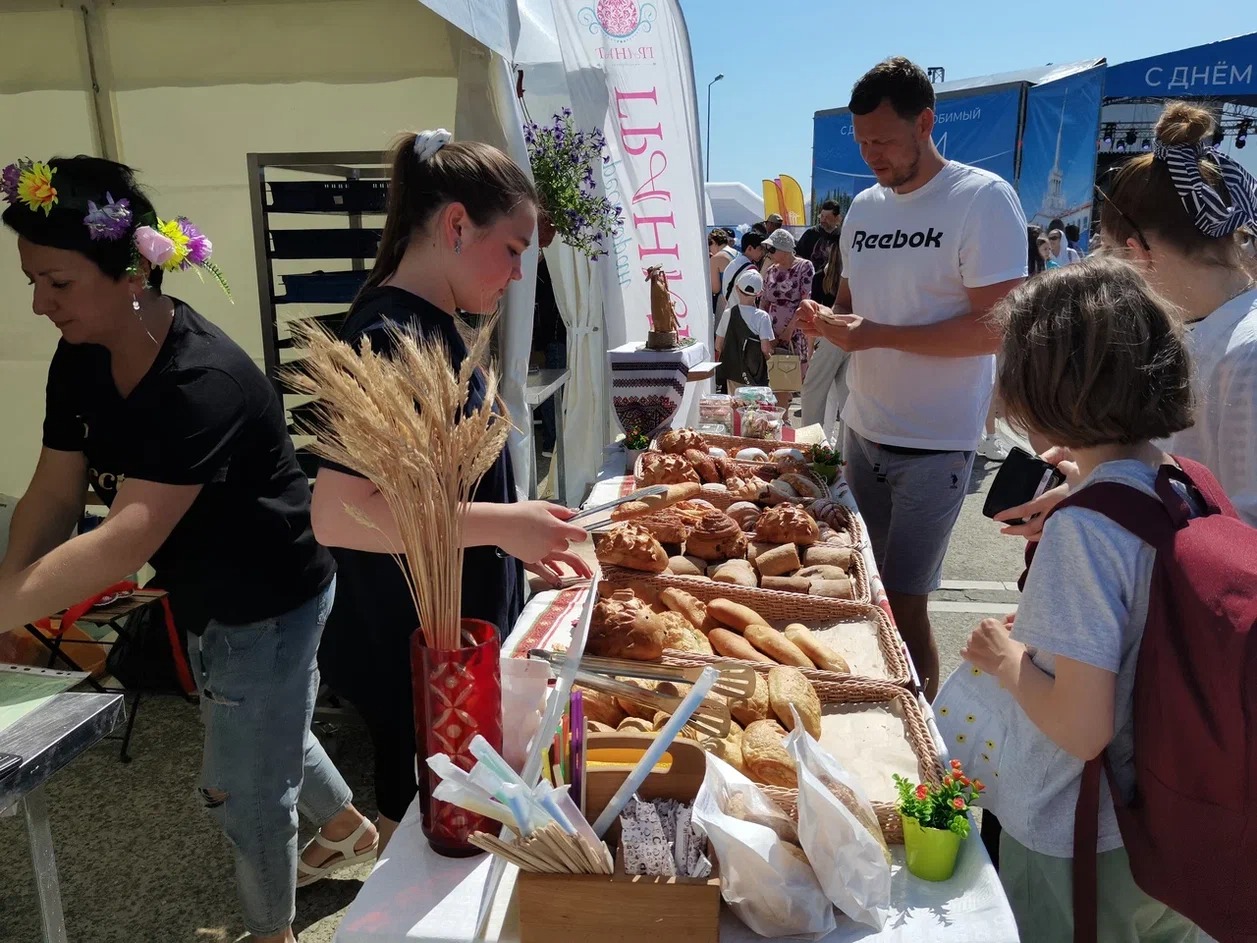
x,y
402,421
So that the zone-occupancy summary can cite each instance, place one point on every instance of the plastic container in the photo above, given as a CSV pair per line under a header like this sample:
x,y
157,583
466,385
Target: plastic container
x,y
761,421
931,852
325,243
715,413
754,395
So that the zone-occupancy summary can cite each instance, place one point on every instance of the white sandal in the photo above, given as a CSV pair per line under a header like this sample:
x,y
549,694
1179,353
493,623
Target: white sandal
x,y
345,855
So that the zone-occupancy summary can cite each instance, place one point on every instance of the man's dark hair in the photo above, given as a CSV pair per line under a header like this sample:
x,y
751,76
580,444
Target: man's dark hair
x,y
1055,224
832,205
898,80
759,228
752,240
1072,233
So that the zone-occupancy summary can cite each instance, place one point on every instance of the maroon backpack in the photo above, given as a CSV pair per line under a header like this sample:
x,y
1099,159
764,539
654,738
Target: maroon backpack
x,y
1191,827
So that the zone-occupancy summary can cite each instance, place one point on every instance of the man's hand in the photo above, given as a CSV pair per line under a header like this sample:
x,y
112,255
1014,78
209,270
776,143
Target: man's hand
x,y
849,331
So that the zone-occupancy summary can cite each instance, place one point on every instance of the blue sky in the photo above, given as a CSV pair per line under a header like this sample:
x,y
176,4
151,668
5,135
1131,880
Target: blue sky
x,y
783,60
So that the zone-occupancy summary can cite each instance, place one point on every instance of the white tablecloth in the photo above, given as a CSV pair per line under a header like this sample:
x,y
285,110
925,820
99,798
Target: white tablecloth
x,y
416,895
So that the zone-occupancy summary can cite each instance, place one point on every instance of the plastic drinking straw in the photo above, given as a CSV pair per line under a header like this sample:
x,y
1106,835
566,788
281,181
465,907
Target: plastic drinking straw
x,y
469,798
656,750
544,793
561,692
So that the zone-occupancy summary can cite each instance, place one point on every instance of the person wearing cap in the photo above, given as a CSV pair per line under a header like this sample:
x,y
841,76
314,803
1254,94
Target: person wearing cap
x,y
773,223
787,284
751,256
745,338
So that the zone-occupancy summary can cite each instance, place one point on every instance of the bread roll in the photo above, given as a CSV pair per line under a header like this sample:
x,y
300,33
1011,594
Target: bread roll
x,y
636,725
776,820
823,572
735,574
593,726
734,615
765,756
786,584
681,636
821,654
833,589
787,523
789,686
829,556
666,526
716,537
728,748
733,645
602,708
625,627
694,609
687,566
631,707
755,707
630,546
677,441
776,646
704,465
778,560
668,470
745,514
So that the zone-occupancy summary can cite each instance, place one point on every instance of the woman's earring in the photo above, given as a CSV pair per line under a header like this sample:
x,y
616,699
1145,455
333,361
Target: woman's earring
x,y
458,247
135,303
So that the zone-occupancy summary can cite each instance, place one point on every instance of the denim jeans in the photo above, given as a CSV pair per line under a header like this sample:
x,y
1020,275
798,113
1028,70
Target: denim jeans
x,y
262,764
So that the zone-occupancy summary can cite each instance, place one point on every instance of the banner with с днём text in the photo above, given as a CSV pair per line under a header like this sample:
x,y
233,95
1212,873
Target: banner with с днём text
x,y
629,71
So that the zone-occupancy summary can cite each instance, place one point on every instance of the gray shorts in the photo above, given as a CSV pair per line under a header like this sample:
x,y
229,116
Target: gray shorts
x,y
910,502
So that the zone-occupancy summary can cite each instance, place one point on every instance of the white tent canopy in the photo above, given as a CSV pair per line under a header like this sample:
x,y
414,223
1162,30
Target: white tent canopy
x,y
184,89
734,204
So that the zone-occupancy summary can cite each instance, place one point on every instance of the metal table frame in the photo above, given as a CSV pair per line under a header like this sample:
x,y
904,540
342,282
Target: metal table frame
x,y
542,386
47,740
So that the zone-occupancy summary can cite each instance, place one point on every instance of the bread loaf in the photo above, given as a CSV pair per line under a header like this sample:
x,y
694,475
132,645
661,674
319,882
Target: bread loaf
x,y
765,756
734,615
755,707
780,823
735,572
630,546
825,555
822,572
833,589
625,627
678,441
786,584
636,725
821,654
776,646
789,686
687,566
778,560
733,645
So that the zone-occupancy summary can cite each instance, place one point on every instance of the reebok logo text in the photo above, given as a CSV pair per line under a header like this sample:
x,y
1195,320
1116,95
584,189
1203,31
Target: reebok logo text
x,y
897,240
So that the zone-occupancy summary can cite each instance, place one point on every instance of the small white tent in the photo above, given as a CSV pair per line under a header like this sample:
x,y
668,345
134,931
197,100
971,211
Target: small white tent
x,y
734,204
184,89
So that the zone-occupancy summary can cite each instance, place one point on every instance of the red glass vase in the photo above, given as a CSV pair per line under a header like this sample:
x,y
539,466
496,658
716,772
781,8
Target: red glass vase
x,y
458,694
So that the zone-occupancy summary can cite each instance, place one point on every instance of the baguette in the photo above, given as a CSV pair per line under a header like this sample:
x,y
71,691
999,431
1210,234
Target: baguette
x,y
776,646
821,654
734,615
733,645
694,609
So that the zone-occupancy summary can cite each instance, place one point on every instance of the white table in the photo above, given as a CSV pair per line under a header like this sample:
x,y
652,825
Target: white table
x,y
416,895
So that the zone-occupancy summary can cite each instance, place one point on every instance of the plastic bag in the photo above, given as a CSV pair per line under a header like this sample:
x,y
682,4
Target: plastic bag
x,y
767,882
836,826
524,686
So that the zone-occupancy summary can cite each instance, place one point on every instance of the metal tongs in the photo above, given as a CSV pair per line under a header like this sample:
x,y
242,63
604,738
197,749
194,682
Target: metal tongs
x,y
642,494
711,719
736,682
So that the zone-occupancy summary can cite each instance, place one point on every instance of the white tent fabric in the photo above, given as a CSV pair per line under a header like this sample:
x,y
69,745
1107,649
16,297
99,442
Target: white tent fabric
x,y
733,204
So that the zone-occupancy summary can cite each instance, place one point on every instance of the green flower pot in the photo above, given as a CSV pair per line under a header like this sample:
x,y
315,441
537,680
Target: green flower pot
x,y
828,472
931,852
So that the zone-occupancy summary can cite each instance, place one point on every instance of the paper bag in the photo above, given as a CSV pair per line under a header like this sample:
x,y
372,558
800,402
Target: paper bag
x,y
837,825
766,881
785,372
971,710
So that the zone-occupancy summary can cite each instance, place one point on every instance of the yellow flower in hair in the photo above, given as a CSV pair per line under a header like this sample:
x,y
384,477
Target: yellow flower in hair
x,y
174,232
34,187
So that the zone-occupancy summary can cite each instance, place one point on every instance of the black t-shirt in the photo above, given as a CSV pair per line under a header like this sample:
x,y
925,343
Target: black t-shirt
x,y
374,615
816,244
202,415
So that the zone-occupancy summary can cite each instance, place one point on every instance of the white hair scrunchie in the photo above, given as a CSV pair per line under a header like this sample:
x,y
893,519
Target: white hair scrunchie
x,y
427,143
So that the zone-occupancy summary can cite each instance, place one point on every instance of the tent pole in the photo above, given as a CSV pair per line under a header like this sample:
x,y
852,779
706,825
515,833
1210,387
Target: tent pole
x,y
95,52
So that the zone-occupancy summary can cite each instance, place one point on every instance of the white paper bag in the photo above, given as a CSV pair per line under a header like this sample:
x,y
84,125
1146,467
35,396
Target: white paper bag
x,y
772,890
524,686
849,861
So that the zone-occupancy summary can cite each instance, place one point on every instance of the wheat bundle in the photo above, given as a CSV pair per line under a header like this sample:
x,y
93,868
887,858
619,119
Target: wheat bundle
x,y
402,421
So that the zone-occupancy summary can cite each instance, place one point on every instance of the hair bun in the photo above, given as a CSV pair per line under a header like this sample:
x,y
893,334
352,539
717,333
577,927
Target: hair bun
x,y
1183,123
427,143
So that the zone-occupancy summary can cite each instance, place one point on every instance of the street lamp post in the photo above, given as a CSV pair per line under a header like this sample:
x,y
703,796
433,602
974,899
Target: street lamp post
x,y
707,174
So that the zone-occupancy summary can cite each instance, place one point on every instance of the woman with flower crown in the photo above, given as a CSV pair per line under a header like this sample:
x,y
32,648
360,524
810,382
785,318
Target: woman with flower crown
x,y
183,438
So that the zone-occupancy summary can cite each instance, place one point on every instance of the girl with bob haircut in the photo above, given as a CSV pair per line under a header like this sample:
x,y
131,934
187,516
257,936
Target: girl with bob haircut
x,y
1092,359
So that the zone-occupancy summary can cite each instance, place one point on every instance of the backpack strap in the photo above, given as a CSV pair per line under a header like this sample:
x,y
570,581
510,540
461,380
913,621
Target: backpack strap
x,y
1143,515
741,268
1086,839
1199,479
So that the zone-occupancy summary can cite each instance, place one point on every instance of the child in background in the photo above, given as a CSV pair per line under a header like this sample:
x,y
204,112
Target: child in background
x,y
744,337
1091,359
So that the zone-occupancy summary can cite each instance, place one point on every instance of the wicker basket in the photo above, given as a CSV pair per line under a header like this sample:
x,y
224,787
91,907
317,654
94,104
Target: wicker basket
x,y
917,733
725,501
850,523
812,611
736,443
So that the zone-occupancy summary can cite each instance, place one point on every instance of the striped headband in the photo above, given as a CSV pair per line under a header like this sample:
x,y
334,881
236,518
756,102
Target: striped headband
x,y
1208,209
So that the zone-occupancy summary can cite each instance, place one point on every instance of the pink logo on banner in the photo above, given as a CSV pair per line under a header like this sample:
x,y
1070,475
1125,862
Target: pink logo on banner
x,y
618,19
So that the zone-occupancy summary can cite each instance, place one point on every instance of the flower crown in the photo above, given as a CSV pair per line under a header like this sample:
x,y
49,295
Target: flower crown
x,y
165,244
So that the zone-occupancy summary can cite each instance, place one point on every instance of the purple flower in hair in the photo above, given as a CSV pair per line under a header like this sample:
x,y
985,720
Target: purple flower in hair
x,y
8,182
199,246
111,221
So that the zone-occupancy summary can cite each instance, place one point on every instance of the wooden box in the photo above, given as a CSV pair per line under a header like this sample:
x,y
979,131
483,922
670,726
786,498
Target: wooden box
x,y
620,907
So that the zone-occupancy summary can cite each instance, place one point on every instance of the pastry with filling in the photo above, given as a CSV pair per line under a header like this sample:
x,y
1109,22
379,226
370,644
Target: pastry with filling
x,y
717,537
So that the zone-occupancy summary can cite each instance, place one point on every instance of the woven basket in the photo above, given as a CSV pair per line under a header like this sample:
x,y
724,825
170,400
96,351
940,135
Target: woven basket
x,y
916,732
850,523
736,443
812,611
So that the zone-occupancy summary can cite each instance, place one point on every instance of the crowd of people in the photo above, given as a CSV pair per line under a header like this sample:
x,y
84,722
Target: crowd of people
x,y
1110,366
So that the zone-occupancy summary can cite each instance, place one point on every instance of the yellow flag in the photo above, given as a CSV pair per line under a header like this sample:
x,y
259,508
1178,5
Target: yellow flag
x,y
792,199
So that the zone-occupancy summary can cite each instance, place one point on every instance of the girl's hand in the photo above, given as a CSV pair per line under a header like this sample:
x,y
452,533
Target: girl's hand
x,y
537,531
992,649
549,569
1035,512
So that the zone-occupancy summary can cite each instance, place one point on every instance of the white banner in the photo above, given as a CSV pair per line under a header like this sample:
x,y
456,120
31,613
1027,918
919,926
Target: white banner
x,y
629,70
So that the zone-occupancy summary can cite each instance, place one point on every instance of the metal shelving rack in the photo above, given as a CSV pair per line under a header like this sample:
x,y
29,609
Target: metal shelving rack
x,y
351,185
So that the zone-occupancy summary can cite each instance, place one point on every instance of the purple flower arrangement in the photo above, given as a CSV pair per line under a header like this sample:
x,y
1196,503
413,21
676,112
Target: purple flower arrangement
x,y
563,159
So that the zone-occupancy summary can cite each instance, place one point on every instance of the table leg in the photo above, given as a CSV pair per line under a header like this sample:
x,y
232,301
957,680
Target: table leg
x,y
35,805
560,449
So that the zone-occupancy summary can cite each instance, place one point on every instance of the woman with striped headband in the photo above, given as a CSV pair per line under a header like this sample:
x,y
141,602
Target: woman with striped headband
x,y
1181,212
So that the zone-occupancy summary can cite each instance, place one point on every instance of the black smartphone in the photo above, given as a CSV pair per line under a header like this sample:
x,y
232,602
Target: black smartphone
x,y
1022,477
9,763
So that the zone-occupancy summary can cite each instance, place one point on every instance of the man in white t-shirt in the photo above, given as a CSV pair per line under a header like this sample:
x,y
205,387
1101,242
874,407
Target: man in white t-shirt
x,y
926,254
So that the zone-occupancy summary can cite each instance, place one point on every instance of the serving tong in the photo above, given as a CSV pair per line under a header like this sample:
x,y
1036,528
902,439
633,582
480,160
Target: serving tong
x,y
641,494
736,682
711,719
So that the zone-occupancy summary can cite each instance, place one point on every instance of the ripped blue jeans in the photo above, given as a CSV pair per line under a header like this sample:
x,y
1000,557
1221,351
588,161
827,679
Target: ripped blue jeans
x,y
262,764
